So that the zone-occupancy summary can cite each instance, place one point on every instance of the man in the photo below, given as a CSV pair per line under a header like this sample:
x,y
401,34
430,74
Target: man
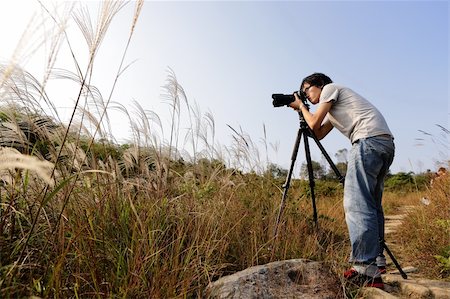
x,y
370,157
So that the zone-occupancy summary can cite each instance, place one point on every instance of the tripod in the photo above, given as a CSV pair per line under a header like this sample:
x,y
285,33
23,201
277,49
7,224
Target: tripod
x,y
305,131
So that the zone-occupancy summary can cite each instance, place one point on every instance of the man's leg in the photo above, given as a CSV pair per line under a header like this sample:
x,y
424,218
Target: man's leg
x,y
361,206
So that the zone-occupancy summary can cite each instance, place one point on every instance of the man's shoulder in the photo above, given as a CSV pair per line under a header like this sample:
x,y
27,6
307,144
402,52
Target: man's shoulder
x,y
334,86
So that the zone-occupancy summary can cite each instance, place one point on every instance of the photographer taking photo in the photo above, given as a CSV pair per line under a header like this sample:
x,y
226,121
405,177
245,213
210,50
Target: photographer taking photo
x,y
370,157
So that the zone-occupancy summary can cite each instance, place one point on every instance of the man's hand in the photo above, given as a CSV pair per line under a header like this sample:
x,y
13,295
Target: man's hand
x,y
297,104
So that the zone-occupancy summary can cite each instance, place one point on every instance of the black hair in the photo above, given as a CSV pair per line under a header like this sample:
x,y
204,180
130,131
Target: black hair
x,y
316,79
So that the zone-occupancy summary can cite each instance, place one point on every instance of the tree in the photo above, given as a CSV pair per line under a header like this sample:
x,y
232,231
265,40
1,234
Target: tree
x,y
341,156
318,170
342,162
341,166
276,171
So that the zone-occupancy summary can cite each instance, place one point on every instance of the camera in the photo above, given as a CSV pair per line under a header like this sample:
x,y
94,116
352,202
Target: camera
x,y
280,99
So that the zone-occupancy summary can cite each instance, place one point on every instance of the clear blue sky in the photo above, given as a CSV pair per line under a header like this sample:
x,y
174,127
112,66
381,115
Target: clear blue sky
x,y
231,56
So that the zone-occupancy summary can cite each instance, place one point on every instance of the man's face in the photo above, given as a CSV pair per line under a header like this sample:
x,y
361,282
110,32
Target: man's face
x,y
312,93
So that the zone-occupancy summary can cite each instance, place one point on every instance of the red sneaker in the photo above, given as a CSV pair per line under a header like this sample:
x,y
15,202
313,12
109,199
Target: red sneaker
x,y
363,280
350,273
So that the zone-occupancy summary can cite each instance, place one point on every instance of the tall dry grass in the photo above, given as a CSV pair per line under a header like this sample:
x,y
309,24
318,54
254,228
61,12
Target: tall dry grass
x,y
425,234
140,220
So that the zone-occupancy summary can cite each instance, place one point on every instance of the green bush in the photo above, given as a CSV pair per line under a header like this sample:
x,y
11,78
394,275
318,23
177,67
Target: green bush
x,y
407,182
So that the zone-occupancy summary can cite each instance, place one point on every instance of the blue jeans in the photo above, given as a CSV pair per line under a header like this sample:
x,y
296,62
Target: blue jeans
x,y
368,165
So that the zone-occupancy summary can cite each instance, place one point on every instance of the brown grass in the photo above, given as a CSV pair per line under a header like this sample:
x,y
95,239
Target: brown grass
x,y
425,232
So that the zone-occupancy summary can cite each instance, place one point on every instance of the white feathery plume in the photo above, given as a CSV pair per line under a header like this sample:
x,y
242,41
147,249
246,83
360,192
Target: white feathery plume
x,y
11,159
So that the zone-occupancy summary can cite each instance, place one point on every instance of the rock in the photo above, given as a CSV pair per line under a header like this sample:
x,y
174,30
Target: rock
x,y
296,278
416,287
374,293
394,217
408,269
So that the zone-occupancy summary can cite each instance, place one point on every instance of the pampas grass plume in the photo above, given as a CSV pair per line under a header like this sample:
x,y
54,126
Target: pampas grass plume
x,y
11,159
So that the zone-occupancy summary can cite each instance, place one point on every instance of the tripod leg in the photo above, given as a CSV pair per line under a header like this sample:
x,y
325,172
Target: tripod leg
x,y
327,157
288,182
403,274
311,177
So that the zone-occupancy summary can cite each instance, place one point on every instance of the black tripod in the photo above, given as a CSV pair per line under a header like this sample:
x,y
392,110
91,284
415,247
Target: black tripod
x,y
306,132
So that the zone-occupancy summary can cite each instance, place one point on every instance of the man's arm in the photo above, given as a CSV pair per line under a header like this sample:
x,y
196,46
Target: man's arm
x,y
315,121
324,129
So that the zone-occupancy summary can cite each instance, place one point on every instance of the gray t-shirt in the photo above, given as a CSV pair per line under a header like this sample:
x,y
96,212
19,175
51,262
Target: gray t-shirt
x,y
353,115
